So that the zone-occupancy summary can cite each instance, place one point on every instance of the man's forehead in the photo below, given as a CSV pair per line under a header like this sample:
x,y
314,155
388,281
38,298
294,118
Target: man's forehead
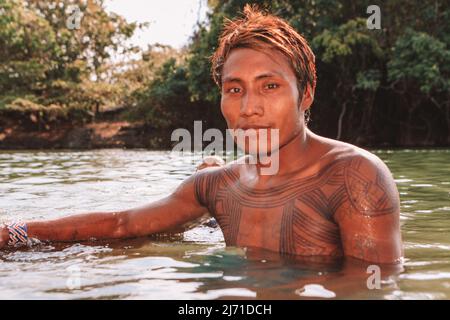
x,y
258,63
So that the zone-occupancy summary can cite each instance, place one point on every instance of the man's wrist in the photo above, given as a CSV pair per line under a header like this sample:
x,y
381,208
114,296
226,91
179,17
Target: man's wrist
x,y
15,234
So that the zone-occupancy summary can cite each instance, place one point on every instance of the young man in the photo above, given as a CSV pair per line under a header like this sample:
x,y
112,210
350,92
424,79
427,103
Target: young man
x,y
327,197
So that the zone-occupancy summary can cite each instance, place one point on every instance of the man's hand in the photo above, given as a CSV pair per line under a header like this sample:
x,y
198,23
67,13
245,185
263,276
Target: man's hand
x,y
4,236
211,161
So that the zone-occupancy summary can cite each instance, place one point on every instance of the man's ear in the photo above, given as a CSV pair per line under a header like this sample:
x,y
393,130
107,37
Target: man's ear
x,y
307,99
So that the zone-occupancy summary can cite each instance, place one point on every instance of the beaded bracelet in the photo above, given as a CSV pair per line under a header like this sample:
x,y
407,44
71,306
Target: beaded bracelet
x,y
18,233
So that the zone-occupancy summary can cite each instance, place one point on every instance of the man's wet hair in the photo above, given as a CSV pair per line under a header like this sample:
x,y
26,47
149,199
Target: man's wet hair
x,y
256,29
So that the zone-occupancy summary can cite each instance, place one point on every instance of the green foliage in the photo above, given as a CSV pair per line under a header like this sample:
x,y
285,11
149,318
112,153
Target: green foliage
x,y
134,77
56,66
27,45
166,101
368,80
349,40
431,72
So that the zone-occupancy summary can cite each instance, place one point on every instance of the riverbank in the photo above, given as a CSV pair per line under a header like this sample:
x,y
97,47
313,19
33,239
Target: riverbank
x,y
101,134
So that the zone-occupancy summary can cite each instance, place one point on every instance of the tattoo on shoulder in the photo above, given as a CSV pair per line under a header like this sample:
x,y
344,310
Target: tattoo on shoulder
x,y
370,191
211,192
206,184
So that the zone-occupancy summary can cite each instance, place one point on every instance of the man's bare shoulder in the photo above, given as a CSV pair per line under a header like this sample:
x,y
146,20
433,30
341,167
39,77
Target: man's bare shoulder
x,y
339,150
368,181
364,172
206,182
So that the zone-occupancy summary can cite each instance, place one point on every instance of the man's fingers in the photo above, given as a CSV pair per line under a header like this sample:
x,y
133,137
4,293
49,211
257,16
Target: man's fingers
x,y
211,161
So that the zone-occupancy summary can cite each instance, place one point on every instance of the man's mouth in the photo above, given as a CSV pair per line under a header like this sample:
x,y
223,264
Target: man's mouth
x,y
254,126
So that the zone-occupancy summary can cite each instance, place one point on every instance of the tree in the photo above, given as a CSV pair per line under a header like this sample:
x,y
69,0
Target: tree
x,y
46,61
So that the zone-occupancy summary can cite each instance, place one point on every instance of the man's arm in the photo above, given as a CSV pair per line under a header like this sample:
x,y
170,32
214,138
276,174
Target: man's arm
x,y
370,212
174,210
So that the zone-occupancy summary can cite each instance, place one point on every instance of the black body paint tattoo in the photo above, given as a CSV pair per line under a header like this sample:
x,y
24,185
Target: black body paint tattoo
x,y
306,206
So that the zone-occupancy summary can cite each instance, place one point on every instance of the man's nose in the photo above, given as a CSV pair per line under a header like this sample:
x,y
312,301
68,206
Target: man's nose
x,y
252,104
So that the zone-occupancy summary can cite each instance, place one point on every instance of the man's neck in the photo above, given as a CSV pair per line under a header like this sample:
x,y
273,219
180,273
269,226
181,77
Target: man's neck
x,y
291,157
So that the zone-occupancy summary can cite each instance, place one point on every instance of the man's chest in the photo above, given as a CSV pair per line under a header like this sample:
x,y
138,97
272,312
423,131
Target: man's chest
x,y
294,221
294,217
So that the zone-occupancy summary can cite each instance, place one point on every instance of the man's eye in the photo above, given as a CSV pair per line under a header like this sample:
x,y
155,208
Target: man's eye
x,y
234,90
271,86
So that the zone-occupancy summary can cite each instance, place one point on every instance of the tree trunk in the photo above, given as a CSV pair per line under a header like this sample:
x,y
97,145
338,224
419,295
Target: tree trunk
x,y
341,116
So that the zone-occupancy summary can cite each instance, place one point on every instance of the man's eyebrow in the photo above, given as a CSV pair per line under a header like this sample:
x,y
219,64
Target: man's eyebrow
x,y
231,79
258,77
269,75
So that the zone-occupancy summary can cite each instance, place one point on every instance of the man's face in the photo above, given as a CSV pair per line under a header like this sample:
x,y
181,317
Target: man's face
x,y
259,90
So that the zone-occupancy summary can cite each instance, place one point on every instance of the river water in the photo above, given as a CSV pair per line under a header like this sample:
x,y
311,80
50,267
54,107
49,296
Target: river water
x,y
48,184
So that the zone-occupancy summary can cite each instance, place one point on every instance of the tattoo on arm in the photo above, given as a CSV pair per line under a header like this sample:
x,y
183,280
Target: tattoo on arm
x,y
368,195
211,192
368,211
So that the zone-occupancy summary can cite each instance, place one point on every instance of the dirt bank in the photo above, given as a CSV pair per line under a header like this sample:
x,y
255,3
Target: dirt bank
x,y
102,134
